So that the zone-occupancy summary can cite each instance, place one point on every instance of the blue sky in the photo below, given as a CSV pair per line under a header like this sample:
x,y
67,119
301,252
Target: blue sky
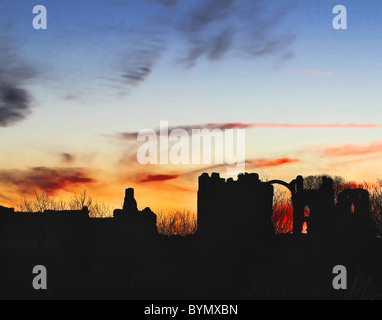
x,y
86,87
85,45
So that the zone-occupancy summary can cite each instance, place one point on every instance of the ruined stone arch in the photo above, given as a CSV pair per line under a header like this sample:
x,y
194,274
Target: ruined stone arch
x,y
285,213
283,183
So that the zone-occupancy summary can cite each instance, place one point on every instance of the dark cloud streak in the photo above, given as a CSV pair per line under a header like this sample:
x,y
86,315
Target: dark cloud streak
x,y
15,100
215,27
46,179
67,158
210,29
138,63
158,178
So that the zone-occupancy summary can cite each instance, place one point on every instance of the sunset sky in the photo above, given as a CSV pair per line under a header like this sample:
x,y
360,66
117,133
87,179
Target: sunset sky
x,y
309,96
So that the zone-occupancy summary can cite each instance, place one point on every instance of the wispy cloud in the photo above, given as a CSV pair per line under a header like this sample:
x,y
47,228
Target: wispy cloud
x,y
213,28
167,3
139,61
15,99
158,178
209,29
46,179
237,125
347,150
293,125
267,163
309,72
150,177
67,158
357,160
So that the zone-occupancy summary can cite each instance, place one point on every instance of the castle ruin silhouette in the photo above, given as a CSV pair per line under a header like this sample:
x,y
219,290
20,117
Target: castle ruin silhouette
x,y
234,251
233,209
243,208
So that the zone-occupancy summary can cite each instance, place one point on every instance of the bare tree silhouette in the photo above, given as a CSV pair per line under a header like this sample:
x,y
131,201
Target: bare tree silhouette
x,y
41,201
177,223
100,210
282,217
78,201
375,192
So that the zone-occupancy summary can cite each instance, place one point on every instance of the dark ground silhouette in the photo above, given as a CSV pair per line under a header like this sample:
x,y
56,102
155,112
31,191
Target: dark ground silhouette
x,y
235,253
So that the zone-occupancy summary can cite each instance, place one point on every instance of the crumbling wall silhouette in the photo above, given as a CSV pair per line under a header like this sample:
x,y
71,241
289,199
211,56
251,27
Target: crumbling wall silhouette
x,y
130,223
5,215
240,209
44,226
320,203
134,223
4,210
353,211
349,217
227,209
